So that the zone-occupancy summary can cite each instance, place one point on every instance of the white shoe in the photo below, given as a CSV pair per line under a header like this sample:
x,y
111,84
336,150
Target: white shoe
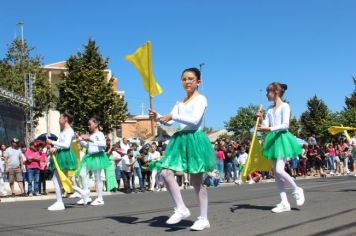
x,y
299,196
281,207
57,206
200,224
251,182
163,189
81,201
97,202
75,195
178,216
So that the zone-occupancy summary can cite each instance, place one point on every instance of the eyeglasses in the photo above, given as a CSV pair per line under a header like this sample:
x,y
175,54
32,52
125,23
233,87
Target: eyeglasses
x,y
188,79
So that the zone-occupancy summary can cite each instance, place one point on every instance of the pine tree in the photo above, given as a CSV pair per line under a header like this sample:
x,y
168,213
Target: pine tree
x,y
348,115
294,126
351,101
317,119
17,63
85,91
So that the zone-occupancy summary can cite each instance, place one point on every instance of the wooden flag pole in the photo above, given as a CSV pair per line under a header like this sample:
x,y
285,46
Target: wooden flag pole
x,y
149,81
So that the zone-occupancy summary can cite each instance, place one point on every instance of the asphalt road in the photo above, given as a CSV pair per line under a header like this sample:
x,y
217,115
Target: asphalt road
x,y
330,209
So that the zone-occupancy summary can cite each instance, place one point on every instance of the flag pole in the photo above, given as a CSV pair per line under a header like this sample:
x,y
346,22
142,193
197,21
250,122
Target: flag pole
x,y
245,171
149,84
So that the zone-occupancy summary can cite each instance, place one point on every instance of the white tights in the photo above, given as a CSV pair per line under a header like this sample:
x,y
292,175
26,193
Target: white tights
x,y
174,191
282,178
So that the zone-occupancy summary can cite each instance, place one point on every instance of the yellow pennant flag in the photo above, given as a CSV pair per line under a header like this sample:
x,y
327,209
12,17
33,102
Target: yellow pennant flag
x,y
339,129
142,61
255,160
66,183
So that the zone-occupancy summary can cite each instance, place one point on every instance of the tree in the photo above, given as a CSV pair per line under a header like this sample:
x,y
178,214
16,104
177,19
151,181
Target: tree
x,y
85,91
242,122
347,116
19,62
317,119
351,101
294,126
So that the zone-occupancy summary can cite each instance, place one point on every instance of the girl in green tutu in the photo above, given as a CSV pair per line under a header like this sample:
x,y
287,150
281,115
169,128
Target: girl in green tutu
x,y
66,158
280,144
189,149
96,159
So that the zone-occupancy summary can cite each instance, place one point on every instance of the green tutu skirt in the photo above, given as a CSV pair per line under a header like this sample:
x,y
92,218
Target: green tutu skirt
x,y
155,165
281,145
93,162
67,160
189,152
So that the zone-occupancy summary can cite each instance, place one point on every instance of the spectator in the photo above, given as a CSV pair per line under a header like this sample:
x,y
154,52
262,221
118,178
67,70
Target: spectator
x,y
255,177
137,168
3,192
15,166
220,161
110,175
303,161
44,174
212,179
229,163
125,145
33,160
127,162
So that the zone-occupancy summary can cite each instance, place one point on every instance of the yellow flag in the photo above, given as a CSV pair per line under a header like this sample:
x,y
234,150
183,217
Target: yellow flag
x,y
255,160
338,129
66,183
142,61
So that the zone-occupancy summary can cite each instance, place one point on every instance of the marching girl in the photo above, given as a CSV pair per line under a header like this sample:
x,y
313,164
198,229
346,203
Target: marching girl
x,y
66,158
280,144
96,159
189,150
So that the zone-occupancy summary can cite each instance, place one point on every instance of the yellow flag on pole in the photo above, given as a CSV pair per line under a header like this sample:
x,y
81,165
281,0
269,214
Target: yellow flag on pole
x,y
142,61
255,160
339,129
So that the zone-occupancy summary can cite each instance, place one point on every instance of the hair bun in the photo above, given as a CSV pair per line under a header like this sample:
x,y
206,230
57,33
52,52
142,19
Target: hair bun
x,y
284,86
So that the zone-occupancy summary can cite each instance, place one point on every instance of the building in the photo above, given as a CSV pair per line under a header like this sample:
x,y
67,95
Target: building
x,y
138,126
54,72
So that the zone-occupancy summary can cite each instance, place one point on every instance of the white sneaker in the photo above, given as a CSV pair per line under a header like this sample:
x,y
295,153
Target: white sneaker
x,y
178,216
251,182
81,201
299,196
57,206
163,189
75,195
281,207
200,224
97,202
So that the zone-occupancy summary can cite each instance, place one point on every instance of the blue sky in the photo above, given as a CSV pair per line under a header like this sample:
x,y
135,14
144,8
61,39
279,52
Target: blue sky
x,y
309,45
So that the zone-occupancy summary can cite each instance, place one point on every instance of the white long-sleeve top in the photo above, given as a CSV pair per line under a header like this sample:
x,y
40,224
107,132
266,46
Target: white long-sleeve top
x,y
190,115
98,144
278,120
65,139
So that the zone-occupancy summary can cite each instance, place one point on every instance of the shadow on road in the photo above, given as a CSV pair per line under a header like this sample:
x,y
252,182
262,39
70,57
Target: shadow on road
x,y
254,207
159,221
